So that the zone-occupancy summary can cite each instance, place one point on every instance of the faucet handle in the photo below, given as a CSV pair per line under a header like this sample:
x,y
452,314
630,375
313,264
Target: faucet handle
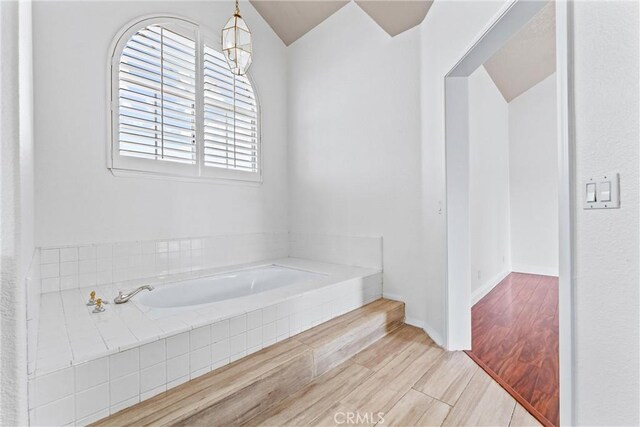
x,y
99,307
92,298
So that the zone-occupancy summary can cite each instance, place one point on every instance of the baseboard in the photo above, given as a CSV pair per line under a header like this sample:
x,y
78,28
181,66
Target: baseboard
x,y
394,297
535,269
435,336
478,294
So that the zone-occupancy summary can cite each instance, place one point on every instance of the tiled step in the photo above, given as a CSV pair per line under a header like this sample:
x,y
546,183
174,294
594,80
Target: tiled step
x,y
235,393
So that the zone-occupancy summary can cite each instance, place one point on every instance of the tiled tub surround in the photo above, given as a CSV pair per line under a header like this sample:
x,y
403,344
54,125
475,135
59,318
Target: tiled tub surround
x,y
92,365
71,267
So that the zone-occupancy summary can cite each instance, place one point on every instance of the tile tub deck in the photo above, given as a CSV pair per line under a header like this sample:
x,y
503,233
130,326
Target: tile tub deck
x,y
128,354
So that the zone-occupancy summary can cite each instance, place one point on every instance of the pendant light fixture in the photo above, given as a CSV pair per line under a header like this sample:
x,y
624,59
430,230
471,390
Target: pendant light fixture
x,y
236,44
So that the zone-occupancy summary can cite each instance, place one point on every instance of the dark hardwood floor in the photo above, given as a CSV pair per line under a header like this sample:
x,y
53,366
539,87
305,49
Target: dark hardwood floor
x,y
515,339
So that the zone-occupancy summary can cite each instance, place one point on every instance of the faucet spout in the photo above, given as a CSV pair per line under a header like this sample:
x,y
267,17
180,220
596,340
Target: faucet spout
x,y
122,298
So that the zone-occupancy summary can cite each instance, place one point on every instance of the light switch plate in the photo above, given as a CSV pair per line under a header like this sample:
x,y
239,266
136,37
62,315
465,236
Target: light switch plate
x,y
607,192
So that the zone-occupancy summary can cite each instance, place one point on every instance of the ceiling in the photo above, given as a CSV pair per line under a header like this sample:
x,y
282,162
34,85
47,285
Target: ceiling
x,y
397,16
290,20
528,58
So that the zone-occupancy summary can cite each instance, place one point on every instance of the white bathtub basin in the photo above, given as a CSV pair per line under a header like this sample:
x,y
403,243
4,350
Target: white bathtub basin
x,y
222,287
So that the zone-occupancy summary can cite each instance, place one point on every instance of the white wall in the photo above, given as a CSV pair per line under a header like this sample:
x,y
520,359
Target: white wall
x,y
16,205
446,34
533,175
489,236
354,141
606,306
77,199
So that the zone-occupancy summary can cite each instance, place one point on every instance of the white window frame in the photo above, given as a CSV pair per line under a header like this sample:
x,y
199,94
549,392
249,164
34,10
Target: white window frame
x,y
121,165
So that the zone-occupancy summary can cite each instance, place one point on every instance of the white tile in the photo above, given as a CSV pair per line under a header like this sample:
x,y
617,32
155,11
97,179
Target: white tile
x,y
69,282
171,325
282,326
51,284
177,345
58,413
92,373
219,364
237,356
196,244
87,266
92,418
49,270
124,363
87,252
152,353
237,325
200,372
254,319
104,264
125,388
144,331
177,382
252,350
254,337
238,343
153,377
177,367
92,400
200,358
153,392
31,392
87,279
54,386
69,268
220,331
162,247
174,245
104,251
200,337
269,332
104,277
220,350
68,254
269,314
124,404
49,256
282,309
148,247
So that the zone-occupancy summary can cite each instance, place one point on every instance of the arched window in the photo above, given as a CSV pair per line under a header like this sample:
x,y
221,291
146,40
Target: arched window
x,y
176,108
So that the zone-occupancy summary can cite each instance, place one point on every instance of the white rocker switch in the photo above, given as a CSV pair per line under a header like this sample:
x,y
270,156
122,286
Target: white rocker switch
x,y
591,192
602,192
605,191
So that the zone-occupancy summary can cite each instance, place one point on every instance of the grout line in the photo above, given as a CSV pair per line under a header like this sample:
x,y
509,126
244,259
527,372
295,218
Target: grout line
x,y
434,398
513,411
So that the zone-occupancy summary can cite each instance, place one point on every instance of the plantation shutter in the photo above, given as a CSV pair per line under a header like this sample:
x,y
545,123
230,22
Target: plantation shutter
x,y
157,97
230,117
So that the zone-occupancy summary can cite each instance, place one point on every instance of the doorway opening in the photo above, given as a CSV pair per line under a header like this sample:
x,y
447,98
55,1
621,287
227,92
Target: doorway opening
x,y
508,206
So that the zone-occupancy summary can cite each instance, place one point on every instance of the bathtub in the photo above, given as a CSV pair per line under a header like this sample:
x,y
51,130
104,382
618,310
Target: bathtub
x,y
222,287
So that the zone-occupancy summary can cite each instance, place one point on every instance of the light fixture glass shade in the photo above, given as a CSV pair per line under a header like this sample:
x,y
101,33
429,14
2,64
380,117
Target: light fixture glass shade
x,y
236,44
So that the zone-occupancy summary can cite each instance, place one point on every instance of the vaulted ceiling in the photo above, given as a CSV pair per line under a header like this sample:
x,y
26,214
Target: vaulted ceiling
x,y
398,16
290,20
528,58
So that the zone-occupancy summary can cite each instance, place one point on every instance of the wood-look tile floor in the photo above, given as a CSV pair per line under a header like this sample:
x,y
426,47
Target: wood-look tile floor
x,y
404,379
515,339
